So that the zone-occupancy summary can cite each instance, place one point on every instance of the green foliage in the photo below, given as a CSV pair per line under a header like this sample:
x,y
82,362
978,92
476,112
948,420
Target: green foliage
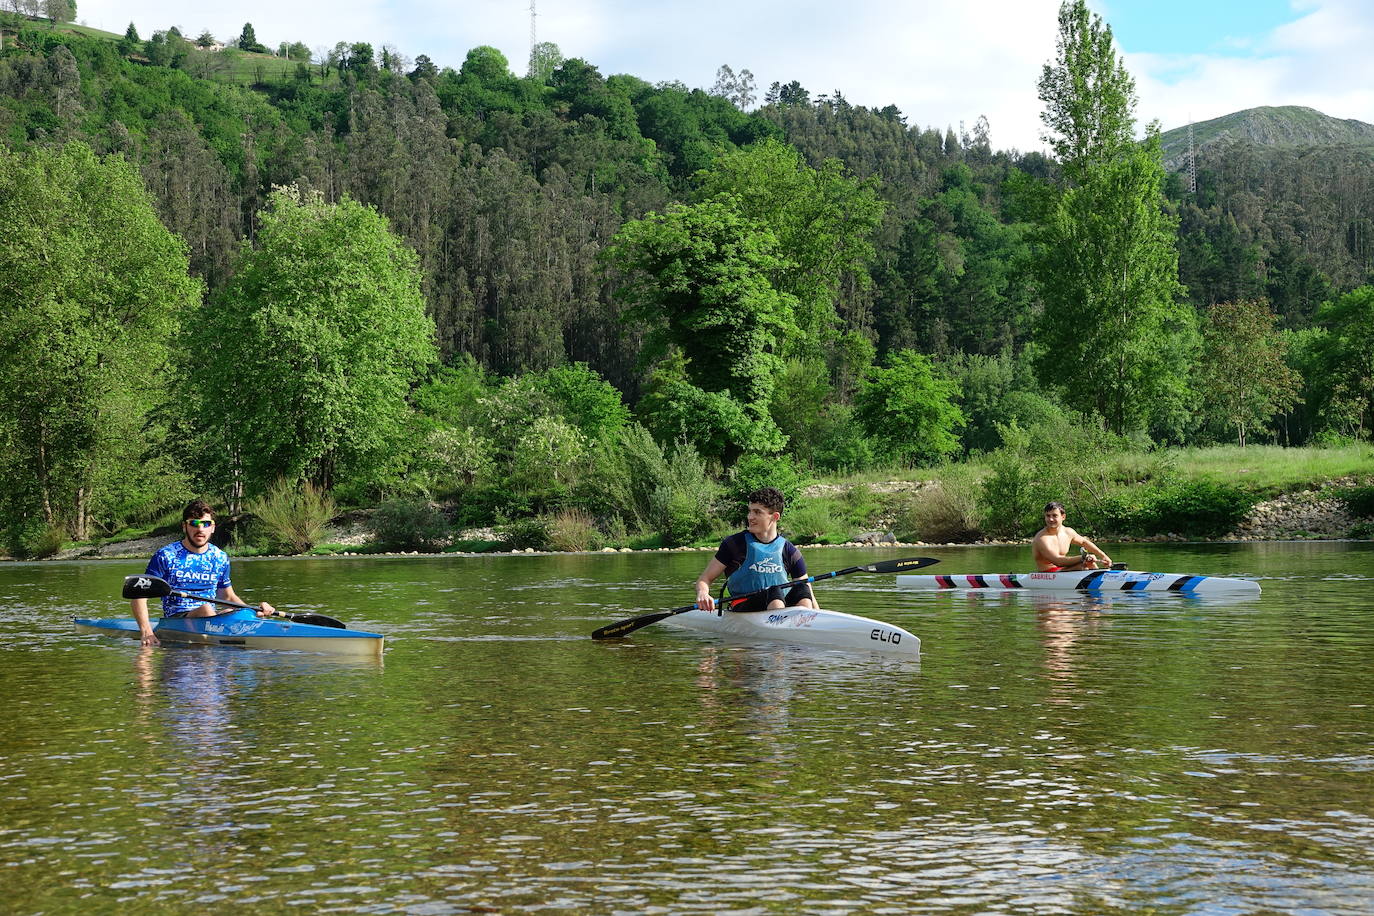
x,y
1359,500
325,316
1199,508
698,276
945,513
812,522
714,422
1062,459
821,218
573,530
409,524
92,287
1243,378
294,514
908,410
1114,337
525,534
34,539
752,472
1346,354
681,504
584,399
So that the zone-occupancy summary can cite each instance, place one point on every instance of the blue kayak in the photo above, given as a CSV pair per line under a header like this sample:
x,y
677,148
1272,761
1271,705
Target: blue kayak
x,y
245,629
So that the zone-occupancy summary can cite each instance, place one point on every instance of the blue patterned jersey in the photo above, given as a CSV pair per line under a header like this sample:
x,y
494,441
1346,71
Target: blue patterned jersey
x,y
200,574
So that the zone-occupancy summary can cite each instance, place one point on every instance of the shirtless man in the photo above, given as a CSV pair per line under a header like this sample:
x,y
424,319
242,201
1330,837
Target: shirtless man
x,y
1051,545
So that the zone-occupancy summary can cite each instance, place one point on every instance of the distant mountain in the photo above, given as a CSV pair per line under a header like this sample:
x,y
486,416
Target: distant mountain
x,y
1286,125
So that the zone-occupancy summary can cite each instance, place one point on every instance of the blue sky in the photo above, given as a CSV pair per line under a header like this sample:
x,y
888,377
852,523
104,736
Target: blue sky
x,y
1222,27
942,63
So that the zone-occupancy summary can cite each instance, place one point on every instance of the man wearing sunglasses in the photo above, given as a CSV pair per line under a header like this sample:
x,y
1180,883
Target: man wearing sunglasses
x,y
192,565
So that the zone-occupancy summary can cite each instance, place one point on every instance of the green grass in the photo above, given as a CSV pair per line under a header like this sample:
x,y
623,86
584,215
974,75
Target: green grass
x,y
1272,469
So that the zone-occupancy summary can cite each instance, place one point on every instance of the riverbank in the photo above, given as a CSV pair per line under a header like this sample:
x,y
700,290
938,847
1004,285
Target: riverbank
x,y
1317,513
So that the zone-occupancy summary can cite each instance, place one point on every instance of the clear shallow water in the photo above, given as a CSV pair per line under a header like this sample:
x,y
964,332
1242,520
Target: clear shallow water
x,y
1050,754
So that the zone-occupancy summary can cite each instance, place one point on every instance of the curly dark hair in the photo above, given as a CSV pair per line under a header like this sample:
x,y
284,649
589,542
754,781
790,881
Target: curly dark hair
x,y
769,497
197,508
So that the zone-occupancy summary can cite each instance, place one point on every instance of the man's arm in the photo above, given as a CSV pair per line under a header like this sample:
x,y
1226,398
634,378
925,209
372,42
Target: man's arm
x,y
708,575
145,628
1045,550
1092,549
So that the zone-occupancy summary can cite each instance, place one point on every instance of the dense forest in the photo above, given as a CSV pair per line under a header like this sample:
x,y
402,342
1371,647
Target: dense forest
x,y
575,291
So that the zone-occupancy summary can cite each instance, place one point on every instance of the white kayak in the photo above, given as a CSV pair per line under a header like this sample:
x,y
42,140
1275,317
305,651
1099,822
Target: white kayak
x,y
1095,580
808,626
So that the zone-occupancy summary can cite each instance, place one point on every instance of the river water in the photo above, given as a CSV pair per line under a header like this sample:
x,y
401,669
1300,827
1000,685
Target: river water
x,y
1069,754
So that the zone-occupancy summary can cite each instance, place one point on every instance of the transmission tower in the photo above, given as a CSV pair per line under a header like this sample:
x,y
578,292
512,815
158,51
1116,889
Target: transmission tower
x,y
532,36
1192,159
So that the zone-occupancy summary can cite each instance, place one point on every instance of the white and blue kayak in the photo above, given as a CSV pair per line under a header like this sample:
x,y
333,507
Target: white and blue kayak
x,y
244,629
807,626
1094,580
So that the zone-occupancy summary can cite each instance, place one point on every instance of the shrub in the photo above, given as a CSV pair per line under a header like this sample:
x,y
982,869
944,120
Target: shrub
x,y
1359,501
682,505
573,530
409,524
1200,507
943,513
37,540
754,471
293,516
813,521
524,533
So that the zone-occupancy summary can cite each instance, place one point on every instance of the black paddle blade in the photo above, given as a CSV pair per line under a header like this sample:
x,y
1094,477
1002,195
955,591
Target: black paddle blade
x,y
624,627
145,587
318,620
903,565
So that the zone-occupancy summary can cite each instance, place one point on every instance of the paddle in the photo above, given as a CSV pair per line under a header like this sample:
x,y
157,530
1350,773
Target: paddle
x,y
146,586
612,630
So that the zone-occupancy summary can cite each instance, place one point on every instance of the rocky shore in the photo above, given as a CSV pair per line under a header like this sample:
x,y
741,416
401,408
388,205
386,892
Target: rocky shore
x,y
1305,515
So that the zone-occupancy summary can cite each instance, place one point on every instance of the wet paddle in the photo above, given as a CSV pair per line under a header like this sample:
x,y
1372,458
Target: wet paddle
x,y
625,627
146,586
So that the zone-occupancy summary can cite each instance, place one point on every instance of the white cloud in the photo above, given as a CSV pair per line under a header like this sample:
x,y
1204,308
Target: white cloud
x,y
1320,60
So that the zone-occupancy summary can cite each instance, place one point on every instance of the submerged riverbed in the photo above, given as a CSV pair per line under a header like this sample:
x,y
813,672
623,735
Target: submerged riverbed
x,y
1049,754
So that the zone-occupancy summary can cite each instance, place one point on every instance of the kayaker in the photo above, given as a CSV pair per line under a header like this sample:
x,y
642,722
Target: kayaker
x,y
758,558
193,565
1051,545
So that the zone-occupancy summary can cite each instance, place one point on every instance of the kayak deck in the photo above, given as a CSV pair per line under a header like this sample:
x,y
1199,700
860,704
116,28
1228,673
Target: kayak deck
x,y
244,629
1125,580
807,626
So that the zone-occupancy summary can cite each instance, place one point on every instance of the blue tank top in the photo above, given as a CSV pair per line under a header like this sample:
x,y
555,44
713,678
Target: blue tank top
x,y
763,566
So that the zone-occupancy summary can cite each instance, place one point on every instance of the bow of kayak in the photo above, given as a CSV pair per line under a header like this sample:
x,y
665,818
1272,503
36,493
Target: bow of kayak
x,y
246,630
807,626
1125,580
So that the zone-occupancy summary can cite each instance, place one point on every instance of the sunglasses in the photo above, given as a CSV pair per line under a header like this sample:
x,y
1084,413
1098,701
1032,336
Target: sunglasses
x,y
199,523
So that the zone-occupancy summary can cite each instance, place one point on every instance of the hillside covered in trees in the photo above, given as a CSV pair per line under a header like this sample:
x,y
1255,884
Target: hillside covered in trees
x,y
575,289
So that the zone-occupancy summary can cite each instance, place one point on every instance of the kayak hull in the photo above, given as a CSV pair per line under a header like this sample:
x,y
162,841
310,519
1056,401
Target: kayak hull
x,y
244,629
1097,580
805,626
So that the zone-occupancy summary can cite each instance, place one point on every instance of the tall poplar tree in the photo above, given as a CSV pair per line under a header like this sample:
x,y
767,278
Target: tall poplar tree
x,y
1114,337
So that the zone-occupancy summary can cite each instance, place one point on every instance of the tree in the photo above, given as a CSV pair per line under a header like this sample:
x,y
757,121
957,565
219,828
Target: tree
x,y
92,287
545,57
738,88
1113,336
204,39
248,40
1243,377
698,276
325,320
822,219
1346,354
909,410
